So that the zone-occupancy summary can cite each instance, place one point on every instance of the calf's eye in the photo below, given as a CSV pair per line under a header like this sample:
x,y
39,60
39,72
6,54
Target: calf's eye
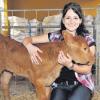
x,y
85,48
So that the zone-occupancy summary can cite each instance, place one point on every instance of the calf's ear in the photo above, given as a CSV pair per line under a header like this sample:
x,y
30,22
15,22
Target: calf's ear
x,y
67,36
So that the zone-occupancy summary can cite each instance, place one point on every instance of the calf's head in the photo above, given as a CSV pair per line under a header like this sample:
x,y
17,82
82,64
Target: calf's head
x,y
78,49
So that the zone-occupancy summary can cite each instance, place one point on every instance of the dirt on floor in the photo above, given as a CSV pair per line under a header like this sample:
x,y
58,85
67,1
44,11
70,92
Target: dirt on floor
x,y
21,89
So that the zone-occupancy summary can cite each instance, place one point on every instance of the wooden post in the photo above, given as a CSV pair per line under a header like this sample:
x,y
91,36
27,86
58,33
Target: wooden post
x,y
5,26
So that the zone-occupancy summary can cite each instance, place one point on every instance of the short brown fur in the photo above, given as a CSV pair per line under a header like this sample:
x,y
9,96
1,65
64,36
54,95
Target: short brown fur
x,y
15,58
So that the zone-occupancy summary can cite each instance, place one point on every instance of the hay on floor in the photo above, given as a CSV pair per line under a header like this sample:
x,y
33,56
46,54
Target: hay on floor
x,y
23,90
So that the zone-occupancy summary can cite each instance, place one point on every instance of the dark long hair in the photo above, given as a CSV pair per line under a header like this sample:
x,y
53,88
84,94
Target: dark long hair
x,y
77,9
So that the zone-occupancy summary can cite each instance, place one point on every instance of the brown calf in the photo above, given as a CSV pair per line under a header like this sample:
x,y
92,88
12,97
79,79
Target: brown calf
x,y
15,58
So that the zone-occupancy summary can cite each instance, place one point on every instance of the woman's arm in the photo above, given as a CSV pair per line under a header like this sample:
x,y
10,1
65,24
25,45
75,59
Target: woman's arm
x,y
67,61
36,39
32,49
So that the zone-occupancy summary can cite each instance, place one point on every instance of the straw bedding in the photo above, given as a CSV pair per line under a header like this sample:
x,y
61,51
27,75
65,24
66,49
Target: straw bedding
x,y
21,89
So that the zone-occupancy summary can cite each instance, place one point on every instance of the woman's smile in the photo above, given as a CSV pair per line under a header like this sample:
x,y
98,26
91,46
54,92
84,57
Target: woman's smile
x,y
71,20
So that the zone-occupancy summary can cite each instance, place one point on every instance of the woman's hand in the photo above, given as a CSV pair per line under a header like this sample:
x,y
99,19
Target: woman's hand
x,y
33,51
65,60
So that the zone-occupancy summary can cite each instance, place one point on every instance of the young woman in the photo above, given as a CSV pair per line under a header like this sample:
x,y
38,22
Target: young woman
x,y
74,82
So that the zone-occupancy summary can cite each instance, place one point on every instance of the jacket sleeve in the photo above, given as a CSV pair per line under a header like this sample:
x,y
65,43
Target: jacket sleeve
x,y
90,40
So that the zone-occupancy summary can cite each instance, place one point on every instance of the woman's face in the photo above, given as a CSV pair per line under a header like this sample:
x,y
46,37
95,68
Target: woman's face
x,y
71,21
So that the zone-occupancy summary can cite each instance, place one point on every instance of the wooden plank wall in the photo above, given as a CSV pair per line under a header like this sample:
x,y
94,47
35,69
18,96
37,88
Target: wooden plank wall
x,y
38,4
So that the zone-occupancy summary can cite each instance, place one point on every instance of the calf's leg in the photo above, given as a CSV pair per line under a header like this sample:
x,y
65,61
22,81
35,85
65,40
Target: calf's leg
x,y
40,91
48,92
5,78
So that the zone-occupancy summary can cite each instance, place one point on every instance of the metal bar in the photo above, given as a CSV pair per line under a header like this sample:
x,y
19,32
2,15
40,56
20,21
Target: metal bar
x,y
86,8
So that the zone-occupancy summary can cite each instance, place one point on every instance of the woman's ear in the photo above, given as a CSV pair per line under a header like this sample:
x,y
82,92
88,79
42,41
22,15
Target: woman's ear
x,y
80,21
63,20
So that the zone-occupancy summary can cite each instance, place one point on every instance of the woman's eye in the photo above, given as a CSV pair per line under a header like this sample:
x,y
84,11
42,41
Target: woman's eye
x,y
75,18
67,18
71,18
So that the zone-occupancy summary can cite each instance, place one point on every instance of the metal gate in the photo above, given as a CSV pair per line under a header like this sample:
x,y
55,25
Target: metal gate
x,y
97,28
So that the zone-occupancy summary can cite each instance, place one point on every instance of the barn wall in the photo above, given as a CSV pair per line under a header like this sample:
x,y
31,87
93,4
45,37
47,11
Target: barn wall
x,y
52,4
